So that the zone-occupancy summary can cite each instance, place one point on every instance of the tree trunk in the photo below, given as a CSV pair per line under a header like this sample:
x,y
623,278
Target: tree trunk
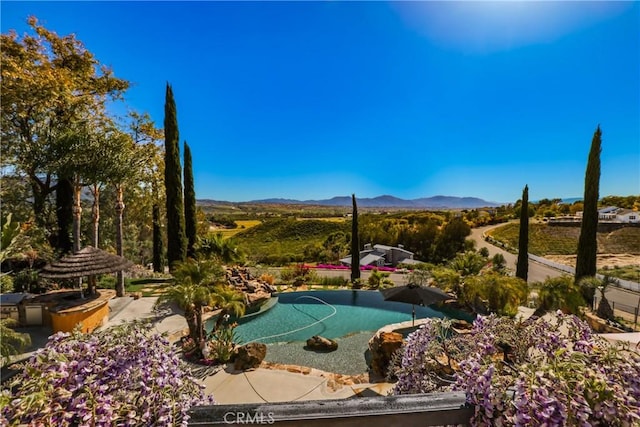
x,y
77,218
190,317
220,319
119,244
158,264
199,324
95,211
39,200
64,215
77,215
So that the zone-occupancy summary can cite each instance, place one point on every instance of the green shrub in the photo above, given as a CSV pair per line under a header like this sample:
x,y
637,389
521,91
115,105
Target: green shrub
x,y
334,281
298,274
6,283
26,281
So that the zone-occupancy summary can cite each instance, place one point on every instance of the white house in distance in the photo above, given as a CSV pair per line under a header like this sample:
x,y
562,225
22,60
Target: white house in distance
x,y
614,214
383,256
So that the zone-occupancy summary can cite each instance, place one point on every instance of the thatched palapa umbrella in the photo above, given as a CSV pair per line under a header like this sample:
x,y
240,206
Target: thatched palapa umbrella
x,y
89,261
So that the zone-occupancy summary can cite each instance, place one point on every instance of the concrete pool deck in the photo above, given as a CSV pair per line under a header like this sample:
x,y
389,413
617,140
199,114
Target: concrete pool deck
x,y
260,385
274,385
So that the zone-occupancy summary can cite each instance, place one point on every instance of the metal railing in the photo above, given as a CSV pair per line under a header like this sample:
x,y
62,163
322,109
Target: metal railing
x,y
433,409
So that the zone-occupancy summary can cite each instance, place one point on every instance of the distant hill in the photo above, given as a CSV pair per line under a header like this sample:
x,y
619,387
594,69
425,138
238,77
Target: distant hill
x,y
385,201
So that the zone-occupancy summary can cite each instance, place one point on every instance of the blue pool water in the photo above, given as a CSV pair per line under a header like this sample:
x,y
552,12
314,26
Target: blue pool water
x,y
333,314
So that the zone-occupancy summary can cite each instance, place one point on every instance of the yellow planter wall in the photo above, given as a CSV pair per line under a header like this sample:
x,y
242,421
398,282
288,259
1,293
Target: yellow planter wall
x,y
90,318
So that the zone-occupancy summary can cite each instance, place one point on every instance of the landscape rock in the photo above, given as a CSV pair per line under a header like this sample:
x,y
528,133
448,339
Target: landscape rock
x,y
257,298
250,356
318,343
461,326
255,290
382,347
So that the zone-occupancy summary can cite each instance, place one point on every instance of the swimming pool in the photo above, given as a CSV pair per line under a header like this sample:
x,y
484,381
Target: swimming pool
x,y
349,317
333,314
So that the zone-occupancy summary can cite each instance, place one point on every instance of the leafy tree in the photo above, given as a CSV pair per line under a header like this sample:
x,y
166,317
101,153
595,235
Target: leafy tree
x,y
176,238
65,84
8,239
355,243
522,265
336,246
12,342
587,243
452,239
190,219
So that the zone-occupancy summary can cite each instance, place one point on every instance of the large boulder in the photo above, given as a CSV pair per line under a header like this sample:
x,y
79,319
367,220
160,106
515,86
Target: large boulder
x,y
318,343
257,298
250,356
382,347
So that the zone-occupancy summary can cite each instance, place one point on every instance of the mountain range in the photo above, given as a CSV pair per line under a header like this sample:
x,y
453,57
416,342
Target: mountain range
x,y
386,201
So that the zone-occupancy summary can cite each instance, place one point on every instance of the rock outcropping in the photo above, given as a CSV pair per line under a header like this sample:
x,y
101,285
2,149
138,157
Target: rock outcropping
x,y
255,291
382,347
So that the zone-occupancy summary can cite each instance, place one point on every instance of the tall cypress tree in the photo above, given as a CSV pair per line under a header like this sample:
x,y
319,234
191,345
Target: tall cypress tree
x,y
522,267
355,243
587,243
176,239
158,261
190,219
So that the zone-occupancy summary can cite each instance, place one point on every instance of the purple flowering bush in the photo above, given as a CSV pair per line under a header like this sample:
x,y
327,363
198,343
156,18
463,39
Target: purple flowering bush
x,y
553,373
126,376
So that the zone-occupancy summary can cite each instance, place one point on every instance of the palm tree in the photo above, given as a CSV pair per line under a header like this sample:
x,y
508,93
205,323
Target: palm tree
x,y
379,279
193,291
559,293
214,245
191,298
229,301
468,263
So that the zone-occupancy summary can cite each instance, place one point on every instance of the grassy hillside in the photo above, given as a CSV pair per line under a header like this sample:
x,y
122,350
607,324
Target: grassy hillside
x,y
242,225
285,239
550,240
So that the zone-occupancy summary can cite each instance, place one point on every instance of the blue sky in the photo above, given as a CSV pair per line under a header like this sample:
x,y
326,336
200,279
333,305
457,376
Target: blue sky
x,y
309,100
